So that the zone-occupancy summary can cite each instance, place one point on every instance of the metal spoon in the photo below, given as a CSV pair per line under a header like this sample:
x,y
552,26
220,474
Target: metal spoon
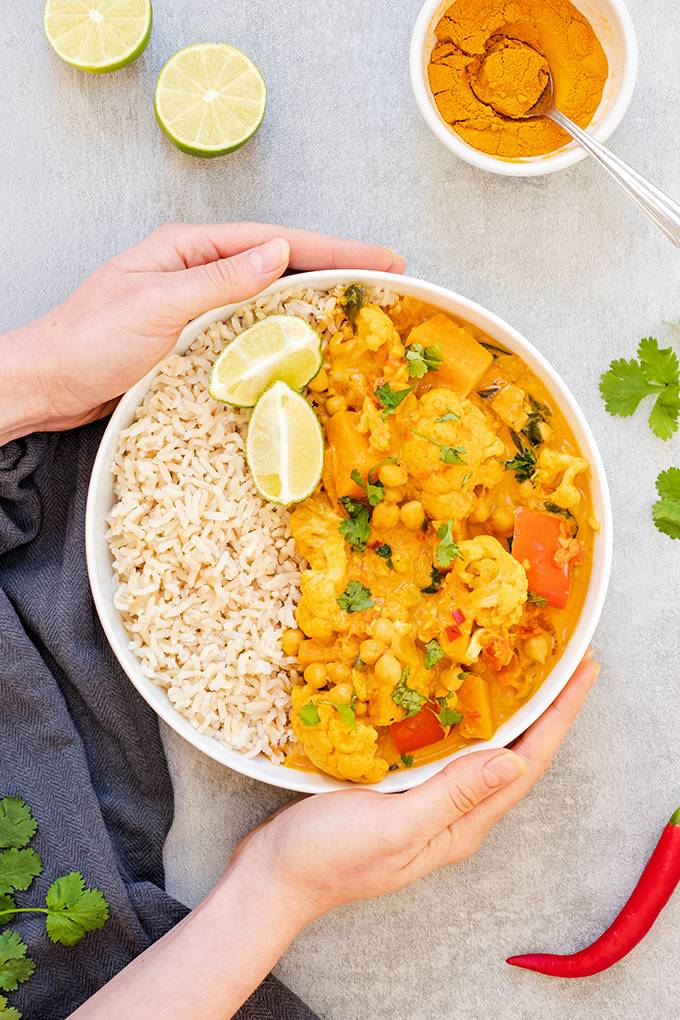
x,y
660,209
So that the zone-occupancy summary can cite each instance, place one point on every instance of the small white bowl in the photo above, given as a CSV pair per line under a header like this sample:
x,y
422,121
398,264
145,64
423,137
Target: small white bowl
x,y
614,28
101,498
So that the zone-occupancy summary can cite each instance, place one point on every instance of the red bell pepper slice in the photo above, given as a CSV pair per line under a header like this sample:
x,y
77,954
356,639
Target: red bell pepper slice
x,y
536,540
417,731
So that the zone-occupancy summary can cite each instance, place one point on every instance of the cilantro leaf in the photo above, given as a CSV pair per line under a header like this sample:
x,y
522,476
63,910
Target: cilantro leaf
x,y
666,514
524,461
660,365
6,904
449,416
434,653
17,824
355,598
18,868
435,582
346,713
449,716
390,399
447,550
309,715
15,966
8,1012
536,600
624,386
668,484
354,300
356,530
404,696
385,552
422,360
663,419
447,454
73,910
407,759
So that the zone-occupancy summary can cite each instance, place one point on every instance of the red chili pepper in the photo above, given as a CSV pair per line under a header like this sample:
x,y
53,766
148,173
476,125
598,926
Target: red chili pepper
x,y
458,615
646,902
452,632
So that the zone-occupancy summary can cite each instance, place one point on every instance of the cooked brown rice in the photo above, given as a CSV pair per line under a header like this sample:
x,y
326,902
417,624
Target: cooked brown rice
x,y
208,576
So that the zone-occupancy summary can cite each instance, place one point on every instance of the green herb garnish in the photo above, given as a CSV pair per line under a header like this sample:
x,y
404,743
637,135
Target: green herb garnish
x,y
524,461
407,760
355,598
422,360
447,550
553,508
447,454
346,713
536,600
404,696
435,582
490,391
309,715
434,653
385,552
494,350
356,530
390,399
655,372
449,716
394,767
449,416
666,510
354,300
466,478
375,491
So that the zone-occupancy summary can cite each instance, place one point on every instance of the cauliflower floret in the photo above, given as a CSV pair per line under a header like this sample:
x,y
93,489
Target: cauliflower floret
x,y
444,424
552,464
494,584
314,526
374,328
372,423
335,746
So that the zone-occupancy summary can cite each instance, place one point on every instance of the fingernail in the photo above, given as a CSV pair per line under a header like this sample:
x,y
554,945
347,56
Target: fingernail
x,y
270,256
398,261
502,769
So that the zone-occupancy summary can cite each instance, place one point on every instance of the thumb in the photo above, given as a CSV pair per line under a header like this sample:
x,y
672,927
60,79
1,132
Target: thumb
x,y
459,788
225,281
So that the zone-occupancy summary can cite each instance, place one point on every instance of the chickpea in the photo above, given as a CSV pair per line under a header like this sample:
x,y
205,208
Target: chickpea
x,y
291,641
452,679
412,515
385,516
503,520
370,651
388,669
480,512
338,671
341,693
383,630
335,404
393,474
315,675
319,382
394,494
538,648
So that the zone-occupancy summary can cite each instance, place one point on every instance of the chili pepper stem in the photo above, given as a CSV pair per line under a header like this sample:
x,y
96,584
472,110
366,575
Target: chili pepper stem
x,y
675,817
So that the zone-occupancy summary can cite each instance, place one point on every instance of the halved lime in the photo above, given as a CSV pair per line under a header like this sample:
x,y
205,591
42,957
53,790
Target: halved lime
x,y
98,35
210,99
281,347
284,446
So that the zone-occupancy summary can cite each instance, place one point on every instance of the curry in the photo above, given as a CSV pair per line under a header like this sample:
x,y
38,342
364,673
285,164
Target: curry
x,y
448,546
491,63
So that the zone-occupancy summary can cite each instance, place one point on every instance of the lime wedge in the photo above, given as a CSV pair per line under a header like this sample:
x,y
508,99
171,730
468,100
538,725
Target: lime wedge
x,y
281,347
284,446
98,35
210,99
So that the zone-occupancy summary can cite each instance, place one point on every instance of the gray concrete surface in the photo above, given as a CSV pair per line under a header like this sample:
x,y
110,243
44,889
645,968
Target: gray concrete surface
x,y
85,172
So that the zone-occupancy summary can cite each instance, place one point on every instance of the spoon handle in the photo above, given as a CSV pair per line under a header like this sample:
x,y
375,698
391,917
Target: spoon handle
x,y
660,209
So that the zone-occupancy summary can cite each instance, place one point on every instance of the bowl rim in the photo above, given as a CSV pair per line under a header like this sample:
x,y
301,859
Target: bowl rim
x,y
537,165
100,498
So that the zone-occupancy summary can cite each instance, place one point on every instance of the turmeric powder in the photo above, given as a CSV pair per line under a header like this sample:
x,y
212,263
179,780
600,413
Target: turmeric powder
x,y
491,63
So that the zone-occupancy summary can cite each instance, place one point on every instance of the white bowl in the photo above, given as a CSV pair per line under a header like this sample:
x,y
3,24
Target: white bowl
x,y
614,28
100,500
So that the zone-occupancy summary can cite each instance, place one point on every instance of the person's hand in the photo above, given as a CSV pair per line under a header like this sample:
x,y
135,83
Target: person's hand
x,y
70,366
337,847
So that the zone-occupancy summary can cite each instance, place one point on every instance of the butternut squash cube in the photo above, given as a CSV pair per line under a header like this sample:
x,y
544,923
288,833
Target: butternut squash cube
x,y
464,360
347,449
474,703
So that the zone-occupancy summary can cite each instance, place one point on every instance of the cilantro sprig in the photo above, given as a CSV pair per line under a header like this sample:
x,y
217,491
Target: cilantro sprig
x,y
71,910
356,529
666,510
404,696
421,360
355,598
524,461
390,399
447,454
655,371
447,551
434,653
